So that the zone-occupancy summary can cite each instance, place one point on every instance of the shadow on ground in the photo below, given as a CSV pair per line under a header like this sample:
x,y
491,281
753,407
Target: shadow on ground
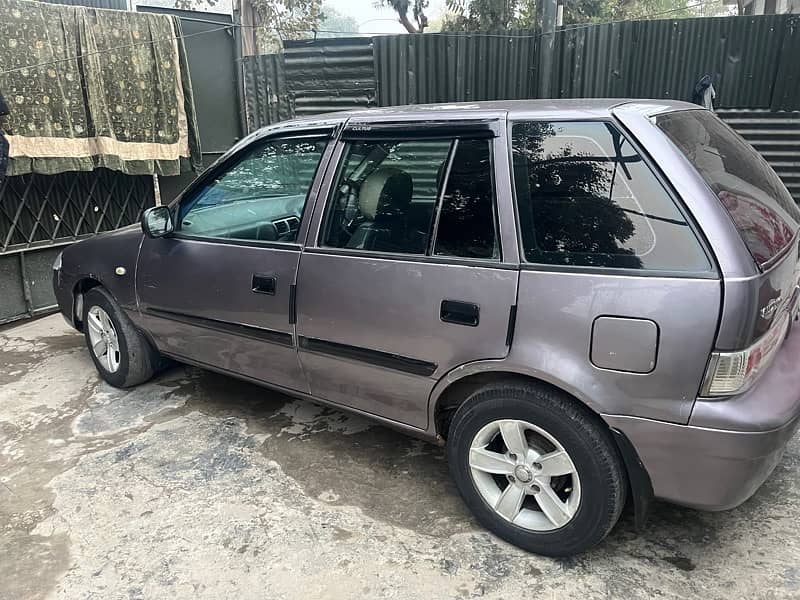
x,y
200,485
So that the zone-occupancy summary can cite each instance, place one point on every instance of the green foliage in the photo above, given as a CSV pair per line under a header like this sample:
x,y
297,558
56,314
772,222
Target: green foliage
x,y
493,15
286,20
489,15
402,8
333,20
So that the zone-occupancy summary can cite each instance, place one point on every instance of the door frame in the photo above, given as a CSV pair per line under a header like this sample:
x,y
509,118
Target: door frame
x,y
330,128
493,125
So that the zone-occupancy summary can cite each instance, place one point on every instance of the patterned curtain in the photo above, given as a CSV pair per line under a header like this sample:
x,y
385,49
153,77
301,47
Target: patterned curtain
x,y
90,88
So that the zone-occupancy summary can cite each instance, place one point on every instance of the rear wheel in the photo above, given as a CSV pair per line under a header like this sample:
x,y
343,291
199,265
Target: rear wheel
x,y
536,468
121,354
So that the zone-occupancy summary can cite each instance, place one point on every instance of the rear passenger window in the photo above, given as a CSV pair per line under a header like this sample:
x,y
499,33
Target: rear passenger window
x,y
586,198
467,222
400,196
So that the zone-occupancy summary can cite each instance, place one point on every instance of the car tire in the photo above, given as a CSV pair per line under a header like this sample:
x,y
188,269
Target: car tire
x,y
584,493
121,353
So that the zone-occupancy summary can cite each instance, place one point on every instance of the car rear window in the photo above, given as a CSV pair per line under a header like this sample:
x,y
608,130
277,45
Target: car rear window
x,y
586,198
762,209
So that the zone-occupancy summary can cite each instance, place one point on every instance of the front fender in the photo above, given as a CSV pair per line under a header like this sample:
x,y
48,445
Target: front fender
x,y
109,259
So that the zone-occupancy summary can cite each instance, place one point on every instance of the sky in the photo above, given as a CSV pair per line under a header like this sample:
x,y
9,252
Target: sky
x,y
378,20
369,18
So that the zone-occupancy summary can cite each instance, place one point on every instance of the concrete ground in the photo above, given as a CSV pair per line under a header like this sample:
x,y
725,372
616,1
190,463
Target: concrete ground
x,y
199,486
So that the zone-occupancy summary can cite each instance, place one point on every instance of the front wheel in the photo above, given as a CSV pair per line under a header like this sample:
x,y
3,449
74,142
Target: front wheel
x,y
536,468
121,354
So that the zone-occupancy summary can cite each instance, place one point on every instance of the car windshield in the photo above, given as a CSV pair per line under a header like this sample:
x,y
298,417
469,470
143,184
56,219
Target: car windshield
x,y
762,209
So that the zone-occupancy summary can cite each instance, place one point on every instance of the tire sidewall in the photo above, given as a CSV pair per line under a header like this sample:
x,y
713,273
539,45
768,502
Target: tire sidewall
x,y
96,297
588,526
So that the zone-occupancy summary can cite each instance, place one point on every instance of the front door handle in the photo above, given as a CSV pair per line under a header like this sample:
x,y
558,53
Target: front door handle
x,y
460,313
264,284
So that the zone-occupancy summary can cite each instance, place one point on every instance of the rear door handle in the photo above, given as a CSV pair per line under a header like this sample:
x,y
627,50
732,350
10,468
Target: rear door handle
x,y
460,313
264,284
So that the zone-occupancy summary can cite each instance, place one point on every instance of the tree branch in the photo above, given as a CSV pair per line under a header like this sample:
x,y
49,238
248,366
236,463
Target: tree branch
x,y
404,21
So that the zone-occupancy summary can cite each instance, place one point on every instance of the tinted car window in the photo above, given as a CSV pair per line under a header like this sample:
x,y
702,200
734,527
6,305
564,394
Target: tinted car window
x,y
467,221
260,197
388,194
385,196
586,198
759,204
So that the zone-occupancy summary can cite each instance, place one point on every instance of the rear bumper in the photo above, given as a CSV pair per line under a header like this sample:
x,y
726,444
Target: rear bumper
x,y
729,447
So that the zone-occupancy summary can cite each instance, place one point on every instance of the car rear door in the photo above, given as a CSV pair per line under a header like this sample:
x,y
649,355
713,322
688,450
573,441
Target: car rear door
x,y
404,276
619,296
218,292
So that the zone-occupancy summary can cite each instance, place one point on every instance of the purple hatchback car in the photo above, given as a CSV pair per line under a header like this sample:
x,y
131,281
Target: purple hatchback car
x,y
589,302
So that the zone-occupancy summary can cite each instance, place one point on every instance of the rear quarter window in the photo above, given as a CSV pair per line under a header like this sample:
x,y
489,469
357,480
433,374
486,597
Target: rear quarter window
x,y
586,197
761,208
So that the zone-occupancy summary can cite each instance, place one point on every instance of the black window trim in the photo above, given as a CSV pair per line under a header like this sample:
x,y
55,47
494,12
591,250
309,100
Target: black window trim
x,y
328,133
414,258
526,265
430,249
412,129
456,134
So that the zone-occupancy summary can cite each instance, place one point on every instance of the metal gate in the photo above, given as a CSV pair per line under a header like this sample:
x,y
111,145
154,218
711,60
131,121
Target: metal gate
x,y
40,214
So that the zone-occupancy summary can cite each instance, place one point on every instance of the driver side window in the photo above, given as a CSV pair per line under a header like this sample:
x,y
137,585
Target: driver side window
x,y
261,197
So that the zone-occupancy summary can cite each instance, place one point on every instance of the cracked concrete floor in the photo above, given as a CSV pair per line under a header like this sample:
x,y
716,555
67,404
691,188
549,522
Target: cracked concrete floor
x,y
199,486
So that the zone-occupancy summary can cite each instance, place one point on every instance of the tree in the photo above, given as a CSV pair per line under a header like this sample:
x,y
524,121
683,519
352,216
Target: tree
x,y
286,20
489,15
401,7
494,15
334,21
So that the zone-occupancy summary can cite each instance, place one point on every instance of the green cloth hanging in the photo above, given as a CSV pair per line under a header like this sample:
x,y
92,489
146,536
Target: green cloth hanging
x,y
90,88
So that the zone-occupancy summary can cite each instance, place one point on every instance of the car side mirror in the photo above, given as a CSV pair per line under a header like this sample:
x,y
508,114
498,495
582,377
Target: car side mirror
x,y
157,222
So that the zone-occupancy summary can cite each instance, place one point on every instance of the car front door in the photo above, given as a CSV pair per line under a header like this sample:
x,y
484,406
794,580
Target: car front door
x,y
407,277
218,291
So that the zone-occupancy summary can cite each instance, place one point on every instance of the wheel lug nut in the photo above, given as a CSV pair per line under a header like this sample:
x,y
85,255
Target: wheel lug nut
x,y
535,489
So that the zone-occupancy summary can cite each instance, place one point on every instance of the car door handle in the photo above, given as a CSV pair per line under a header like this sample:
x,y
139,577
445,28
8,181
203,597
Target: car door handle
x,y
264,284
460,313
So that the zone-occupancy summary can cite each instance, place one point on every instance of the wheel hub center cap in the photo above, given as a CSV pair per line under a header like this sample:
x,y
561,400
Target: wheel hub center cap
x,y
523,474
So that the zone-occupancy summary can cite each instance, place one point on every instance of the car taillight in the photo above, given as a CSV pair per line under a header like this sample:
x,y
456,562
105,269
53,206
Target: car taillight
x,y
731,373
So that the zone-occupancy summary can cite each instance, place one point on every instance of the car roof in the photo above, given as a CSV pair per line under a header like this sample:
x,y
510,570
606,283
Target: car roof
x,y
554,109
573,108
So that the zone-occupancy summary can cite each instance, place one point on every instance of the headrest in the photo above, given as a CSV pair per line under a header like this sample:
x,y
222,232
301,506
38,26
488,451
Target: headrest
x,y
386,189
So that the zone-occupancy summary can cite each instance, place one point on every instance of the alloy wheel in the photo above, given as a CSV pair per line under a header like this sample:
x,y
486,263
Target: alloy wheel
x,y
525,475
103,339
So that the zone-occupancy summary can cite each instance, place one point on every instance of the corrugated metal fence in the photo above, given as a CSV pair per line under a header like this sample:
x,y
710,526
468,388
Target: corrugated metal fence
x,y
112,4
746,56
776,135
335,75
310,77
753,61
423,68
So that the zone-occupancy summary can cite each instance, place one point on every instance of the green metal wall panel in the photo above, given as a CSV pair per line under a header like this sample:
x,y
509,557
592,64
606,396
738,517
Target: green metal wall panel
x,y
266,93
329,74
666,58
112,4
776,136
425,68
786,92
